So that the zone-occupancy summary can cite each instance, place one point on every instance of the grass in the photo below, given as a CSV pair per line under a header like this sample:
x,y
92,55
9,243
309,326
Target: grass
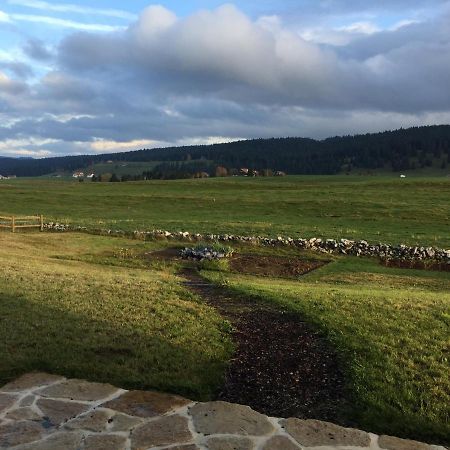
x,y
392,210
92,307
86,306
391,329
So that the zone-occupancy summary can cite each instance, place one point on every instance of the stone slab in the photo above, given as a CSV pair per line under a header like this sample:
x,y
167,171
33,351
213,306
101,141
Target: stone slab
x,y
280,443
226,418
314,433
230,443
393,443
161,432
28,400
23,414
17,433
79,390
146,404
105,442
58,441
6,401
123,422
31,380
95,421
58,411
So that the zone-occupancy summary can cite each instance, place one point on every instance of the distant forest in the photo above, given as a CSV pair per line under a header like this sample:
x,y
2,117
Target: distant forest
x,y
400,150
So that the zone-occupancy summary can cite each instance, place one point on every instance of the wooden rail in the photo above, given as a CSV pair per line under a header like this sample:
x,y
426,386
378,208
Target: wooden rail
x,y
17,222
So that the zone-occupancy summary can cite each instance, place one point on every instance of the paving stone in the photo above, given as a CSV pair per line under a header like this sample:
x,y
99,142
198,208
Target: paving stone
x,y
280,443
23,414
31,380
164,431
123,422
27,401
393,443
93,421
6,401
59,411
185,447
19,433
105,442
226,418
314,433
79,390
58,441
230,443
146,404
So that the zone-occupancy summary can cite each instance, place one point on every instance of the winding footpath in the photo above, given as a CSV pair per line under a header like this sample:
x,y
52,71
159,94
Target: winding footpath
x,y
281,366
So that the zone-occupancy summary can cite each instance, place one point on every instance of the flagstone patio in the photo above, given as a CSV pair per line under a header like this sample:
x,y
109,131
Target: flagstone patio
x,y
40,411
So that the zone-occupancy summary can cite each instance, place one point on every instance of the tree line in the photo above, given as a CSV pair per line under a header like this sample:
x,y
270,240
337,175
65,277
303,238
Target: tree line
x,y
399,150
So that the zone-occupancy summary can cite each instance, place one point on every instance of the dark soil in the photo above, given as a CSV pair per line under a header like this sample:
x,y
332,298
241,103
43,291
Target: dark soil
x,y
273,266
259,265
281,367
418,265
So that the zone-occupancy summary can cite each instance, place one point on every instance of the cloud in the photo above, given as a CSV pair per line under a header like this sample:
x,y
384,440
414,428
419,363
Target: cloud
x,y
64,23
36,49
4,17
220,74
70,8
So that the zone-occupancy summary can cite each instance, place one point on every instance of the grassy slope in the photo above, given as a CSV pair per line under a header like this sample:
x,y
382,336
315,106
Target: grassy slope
x,y
391,328
387,209
66,309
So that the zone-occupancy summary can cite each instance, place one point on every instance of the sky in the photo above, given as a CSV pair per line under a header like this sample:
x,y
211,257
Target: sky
x,y
107,76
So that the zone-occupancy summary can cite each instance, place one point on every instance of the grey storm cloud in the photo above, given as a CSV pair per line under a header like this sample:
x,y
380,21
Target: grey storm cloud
x,y
225,54
221,73
36,49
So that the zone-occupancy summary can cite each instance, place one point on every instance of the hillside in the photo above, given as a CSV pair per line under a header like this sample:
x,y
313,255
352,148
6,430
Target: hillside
x,y
420,148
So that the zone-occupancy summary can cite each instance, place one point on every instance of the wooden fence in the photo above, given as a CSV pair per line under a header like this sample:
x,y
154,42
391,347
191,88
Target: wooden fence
x,y
17,222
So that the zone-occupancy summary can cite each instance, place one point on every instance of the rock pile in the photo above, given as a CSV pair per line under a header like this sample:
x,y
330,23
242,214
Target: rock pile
x,y
341,246
202,253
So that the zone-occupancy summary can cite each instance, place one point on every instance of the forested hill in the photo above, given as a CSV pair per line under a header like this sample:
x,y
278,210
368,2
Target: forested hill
x,y
399,150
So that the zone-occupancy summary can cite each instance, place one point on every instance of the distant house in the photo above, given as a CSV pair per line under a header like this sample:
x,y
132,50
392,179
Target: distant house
x,y
402,176
243,171
91,175
78,175
279,173
255,173
3,178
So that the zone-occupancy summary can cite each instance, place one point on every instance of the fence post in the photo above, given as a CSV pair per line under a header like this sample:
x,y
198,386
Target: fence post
x,y
13,224
42,222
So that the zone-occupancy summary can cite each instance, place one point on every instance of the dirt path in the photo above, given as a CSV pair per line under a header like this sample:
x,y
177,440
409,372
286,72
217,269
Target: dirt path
x,y
281,367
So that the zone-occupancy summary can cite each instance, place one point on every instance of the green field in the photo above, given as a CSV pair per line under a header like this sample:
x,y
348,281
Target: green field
x,y
93,307
392,210
74,305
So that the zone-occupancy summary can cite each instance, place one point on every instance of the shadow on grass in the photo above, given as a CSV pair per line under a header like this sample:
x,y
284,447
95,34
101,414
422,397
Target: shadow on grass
x,y
42,338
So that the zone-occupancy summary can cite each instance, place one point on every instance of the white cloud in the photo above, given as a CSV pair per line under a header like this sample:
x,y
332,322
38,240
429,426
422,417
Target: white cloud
x,y
360,28
109,146
54,21
4,17
70,8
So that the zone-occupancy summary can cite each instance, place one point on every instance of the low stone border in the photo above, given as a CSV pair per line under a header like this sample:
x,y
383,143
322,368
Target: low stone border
x,y
39,411
342,246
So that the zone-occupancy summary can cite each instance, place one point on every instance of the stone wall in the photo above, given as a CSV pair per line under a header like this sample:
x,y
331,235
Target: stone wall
x,y
341,246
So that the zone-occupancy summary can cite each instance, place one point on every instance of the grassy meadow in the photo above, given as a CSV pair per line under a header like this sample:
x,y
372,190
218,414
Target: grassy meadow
x,y
81,306
91,307
392,210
